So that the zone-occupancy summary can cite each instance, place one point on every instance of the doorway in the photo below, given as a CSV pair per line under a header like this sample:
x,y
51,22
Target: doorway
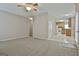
x,y
31,27
65,27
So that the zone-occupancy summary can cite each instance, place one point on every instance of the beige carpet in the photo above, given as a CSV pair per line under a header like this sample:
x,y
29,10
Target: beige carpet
x,y
35,47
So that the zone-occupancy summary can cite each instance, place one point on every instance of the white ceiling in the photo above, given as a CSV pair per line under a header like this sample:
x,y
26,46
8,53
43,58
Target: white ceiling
x,y
59,9
56,9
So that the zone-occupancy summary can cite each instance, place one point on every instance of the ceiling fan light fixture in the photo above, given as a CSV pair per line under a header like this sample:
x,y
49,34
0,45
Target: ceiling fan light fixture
x,y
28,8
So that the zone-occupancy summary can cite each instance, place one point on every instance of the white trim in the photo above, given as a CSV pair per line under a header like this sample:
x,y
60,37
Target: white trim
x,y
41,38
11,13
14,38
76,27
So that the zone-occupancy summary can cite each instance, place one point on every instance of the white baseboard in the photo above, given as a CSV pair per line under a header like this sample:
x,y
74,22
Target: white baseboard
x,y
14,38
40,38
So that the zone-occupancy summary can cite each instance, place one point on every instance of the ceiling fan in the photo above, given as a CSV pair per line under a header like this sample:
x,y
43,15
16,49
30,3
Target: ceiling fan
x,y
28,6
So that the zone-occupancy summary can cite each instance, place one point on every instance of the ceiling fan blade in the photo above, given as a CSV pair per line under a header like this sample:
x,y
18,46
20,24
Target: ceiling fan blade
x,y
33,6
36,4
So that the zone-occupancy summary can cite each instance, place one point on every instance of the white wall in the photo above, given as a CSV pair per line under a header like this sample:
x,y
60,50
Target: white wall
x,y
13,26
52,23
44,26
40,26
